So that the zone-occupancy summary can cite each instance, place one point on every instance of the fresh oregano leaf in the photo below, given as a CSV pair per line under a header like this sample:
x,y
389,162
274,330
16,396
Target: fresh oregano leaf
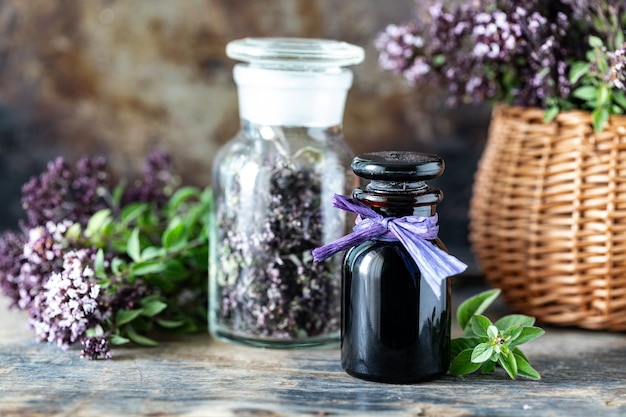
x,y
513,319
523,367
475,305
151,252
480,324
139,339
620,98
595,42
600,117
153,308
174,235
462,343
132,211
133,248
170,324
578,70
126,316
513,332
482,352
180,196
97,221
462,363
526,335
98,265
509,363
551,113
488,367
149,267
586,92
118,340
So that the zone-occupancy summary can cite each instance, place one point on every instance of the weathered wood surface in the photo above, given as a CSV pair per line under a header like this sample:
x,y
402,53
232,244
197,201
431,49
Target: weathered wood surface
x,y
584,374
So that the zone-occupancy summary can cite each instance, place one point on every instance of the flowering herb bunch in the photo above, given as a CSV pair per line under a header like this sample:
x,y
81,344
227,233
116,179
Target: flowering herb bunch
x,y
105,264
558,55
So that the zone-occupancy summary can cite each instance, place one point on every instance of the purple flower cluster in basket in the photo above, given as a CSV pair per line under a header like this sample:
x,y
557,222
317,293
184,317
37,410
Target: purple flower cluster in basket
x,y
516,51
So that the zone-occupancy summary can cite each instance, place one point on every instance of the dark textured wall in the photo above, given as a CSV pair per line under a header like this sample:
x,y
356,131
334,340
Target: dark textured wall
x,y
119,77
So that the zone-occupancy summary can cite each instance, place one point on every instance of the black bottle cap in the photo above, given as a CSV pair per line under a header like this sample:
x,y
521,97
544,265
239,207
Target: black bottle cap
x,y
398,166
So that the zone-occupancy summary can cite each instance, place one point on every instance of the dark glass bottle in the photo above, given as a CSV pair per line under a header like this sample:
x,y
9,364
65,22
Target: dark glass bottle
x,y
394,328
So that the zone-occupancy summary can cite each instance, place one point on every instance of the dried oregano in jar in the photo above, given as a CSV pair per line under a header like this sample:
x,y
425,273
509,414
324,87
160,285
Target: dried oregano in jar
x,y
273,188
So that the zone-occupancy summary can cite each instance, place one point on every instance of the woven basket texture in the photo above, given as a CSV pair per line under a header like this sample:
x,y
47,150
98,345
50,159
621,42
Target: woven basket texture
x,y
548,216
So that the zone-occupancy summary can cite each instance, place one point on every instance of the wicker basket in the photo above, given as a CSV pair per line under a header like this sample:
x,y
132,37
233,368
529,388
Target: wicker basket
x,y
548,217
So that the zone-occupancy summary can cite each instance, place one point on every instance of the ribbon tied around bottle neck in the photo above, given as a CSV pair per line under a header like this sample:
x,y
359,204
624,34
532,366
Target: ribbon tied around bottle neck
x,y
413,232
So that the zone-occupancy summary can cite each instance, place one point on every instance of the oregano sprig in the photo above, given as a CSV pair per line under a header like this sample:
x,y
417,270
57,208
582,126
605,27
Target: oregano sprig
x,y
485,344
100,263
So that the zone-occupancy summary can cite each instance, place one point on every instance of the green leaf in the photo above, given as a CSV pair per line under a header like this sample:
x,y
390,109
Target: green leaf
x,y
512,333
509,363
460,344
602,95
133,247
600,117
480,324
577,71
94,331
492,332
73,232
586,92
118,340
475,305
126,316
527,334
118,193
139,339
462,364
160,281
595,42
513,319
170,324
439,60
98,265
132,211
149,267
174,270
117,266
551,113
97,222
482,353
524,369
174,235
152,252
619,38
488,367
180,196
620,98
153,308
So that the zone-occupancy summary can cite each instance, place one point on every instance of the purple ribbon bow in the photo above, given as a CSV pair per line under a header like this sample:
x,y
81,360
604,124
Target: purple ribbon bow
x,y
413,232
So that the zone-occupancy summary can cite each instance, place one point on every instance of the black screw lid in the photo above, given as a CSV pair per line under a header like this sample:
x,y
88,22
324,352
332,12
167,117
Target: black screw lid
x,y
398,166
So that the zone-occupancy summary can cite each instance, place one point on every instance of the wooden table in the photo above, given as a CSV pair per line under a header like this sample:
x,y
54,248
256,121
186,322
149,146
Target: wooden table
x,y
584,374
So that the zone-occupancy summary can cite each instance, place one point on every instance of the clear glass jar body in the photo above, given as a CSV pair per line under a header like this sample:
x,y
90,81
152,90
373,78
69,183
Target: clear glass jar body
x,y
273,186
394,328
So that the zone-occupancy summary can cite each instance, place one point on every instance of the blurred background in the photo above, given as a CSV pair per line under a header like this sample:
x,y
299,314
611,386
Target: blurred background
x,y
121,77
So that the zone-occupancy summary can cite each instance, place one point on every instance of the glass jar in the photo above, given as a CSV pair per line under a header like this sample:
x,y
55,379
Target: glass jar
x,y
395,328
273,185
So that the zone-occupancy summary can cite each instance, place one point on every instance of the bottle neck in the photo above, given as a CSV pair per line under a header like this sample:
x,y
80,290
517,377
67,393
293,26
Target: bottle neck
x,y
398,199
277,97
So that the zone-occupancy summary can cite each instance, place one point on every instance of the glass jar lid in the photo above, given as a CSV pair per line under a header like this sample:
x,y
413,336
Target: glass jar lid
x,y
304,53
398,166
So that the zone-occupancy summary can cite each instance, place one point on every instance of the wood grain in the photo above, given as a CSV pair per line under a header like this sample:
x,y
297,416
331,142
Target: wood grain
x,y
583,375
